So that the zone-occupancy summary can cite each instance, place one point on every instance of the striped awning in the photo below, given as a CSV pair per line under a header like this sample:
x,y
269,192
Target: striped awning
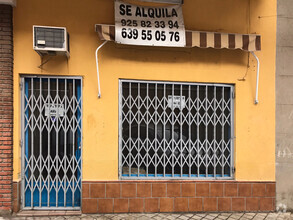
x,y
202,39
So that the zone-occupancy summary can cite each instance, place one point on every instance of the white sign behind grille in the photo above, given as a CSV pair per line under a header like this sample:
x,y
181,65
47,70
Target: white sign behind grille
x,y
54,110
149,26
176,102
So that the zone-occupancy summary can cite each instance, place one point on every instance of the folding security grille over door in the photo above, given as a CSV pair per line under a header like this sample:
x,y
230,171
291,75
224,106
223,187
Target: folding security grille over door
x,y
175,130
51,140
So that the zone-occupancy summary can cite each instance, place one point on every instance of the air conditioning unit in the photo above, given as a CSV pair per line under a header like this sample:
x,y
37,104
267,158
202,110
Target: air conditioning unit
x,y
51,40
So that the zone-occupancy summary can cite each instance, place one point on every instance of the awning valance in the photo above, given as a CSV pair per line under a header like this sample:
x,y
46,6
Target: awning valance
x,y
202,39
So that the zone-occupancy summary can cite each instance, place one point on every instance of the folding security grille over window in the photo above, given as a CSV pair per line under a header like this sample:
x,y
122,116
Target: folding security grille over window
x,y
51,136
173,130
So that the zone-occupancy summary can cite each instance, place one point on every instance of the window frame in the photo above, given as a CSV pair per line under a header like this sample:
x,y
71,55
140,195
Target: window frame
x,y
232,134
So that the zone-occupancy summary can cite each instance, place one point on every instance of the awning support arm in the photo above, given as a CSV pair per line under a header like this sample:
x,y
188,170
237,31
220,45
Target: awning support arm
x,y
97,64
257,78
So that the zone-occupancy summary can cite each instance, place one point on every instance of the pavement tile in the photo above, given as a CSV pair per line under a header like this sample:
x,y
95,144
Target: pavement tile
x,y
201,215
287,214
214,215
183,217
209,217
259,217
129,218
159,217
196,217
135,216
173,217
222,217
116,217
245,218
272,216
238,214
225,214
167,216
156,215
232,217
250,214
108,215
149,215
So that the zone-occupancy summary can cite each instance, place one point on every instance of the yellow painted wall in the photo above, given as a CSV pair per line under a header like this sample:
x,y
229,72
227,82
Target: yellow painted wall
x,y
254,124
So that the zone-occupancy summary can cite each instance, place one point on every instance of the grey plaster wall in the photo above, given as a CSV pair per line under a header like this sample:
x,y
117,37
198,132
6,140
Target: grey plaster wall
x,y
284,105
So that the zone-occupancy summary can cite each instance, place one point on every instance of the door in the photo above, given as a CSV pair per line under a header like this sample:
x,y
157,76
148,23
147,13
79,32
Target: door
x,y
51,142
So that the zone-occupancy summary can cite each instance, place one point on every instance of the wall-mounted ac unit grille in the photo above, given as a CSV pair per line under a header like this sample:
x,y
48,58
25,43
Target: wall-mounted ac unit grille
x,y
53,37
51,40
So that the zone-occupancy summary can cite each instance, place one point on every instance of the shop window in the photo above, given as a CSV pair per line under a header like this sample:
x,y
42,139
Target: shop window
x,y
175,130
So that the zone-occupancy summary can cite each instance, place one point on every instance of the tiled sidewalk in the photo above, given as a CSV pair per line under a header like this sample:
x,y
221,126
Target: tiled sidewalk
x,y
168,216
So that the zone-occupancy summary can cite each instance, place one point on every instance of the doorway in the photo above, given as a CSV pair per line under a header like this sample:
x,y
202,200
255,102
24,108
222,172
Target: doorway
x,y
51,131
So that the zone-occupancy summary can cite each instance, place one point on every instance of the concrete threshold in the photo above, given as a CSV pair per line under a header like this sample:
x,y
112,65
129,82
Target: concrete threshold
x,y
37,213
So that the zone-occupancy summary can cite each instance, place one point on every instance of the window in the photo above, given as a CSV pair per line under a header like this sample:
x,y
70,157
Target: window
x,y
175,130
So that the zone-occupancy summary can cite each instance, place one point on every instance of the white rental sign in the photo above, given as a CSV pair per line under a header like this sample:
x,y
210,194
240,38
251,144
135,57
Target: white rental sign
x,y
176,102
54,110
149,26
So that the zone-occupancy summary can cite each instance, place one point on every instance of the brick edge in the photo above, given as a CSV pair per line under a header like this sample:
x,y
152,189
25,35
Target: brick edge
x,y
6,108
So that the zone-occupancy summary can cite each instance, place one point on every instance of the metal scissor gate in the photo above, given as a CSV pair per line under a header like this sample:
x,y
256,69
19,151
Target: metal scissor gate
x,y
51,142
175,130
